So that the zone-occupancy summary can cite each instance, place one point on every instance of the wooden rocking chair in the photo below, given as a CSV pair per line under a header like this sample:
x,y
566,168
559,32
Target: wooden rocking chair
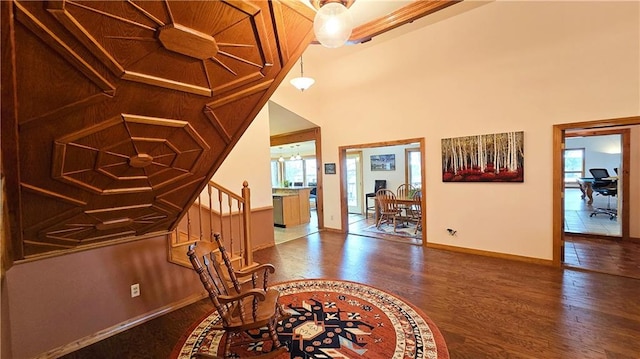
x,y
241,307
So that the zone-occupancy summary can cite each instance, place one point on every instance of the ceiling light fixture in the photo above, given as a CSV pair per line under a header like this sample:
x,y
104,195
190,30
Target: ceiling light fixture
x,y
293,156
332,24
302,83
281,159
298,157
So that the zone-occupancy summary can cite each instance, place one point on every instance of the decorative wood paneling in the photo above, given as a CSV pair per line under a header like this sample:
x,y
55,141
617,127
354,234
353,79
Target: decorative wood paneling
x,y
125,109
213,43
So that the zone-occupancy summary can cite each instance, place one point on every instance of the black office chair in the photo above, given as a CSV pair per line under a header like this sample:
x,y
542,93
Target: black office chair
x,y
379,184
604,186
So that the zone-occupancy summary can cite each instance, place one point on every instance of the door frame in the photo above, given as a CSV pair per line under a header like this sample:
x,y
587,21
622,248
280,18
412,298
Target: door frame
x,y
558,171
311,134
342,160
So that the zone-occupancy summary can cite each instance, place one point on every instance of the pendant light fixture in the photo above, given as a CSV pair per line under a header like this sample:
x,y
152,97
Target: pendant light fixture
x,y
298,157
332,24
302,83
281,159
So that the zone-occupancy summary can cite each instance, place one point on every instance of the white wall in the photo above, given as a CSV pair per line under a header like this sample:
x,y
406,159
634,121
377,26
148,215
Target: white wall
x,y
394,178
504,66
250,160
599,151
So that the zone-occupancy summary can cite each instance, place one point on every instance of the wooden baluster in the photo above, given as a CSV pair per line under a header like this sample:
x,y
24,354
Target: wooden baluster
x,y
210,212
200,216
188,225
229,208
240,229
246,213
221,213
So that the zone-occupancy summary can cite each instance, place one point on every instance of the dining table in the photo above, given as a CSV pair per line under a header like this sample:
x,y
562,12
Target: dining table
x,y
403,202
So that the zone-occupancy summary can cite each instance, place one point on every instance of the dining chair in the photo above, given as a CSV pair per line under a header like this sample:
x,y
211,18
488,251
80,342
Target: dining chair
x,y
405,191
378,184
389,210
415,210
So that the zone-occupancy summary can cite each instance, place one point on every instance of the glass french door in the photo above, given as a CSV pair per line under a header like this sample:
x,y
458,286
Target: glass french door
x,y
354,182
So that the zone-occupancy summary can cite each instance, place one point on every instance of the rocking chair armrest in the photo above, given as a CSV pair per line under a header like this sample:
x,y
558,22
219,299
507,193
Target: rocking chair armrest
x,y
249,272
259,293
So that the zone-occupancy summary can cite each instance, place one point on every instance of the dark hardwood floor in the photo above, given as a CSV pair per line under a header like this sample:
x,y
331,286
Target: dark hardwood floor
x,y
485,307
602,254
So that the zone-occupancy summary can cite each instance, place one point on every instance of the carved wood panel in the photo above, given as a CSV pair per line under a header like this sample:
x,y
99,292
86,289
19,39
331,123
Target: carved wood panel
x,y
125,109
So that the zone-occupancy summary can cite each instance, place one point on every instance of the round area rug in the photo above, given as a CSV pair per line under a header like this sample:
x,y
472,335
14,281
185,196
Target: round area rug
x,y
333,319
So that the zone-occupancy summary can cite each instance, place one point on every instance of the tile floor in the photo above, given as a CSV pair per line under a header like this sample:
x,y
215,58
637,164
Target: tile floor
x,y
282,235
577,217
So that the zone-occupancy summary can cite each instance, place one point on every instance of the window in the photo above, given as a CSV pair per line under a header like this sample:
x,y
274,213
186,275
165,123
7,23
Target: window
x,y
414,166
294,171
573,165
310,172
275,174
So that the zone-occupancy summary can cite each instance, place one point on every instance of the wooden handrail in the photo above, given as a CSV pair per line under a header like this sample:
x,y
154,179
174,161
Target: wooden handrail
x,y
223,212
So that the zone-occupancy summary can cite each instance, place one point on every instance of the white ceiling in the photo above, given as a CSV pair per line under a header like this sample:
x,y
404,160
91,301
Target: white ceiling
x,y
282,120
363,11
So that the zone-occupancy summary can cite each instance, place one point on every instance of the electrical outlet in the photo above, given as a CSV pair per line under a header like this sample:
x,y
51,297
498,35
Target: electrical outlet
x,y
135,290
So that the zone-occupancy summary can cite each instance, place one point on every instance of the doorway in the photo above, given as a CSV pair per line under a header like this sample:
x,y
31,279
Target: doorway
x,y
306,173
590,206
618,255
396,162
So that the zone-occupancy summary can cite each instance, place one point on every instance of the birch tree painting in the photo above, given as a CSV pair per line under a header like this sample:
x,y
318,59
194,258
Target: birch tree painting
x,y
497,157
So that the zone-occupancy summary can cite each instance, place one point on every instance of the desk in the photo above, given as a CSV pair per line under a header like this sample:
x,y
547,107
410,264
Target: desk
x,y
586,187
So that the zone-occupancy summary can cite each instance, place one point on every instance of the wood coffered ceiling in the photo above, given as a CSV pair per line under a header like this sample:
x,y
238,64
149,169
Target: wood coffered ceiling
x,y
115,114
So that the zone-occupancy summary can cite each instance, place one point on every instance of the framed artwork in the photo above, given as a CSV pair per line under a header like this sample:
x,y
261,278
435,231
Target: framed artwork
x,y
329,168
497,157
383,162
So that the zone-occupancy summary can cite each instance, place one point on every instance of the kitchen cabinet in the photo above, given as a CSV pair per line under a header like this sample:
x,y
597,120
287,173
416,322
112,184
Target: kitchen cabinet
x,y
291,206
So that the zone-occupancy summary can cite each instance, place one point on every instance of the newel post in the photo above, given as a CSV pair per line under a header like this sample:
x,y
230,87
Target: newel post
x,y
246,214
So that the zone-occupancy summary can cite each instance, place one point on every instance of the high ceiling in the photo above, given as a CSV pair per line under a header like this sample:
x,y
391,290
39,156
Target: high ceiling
x,y
382,19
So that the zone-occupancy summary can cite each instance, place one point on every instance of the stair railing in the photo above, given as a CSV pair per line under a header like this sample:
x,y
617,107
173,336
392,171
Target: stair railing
x,y
216,210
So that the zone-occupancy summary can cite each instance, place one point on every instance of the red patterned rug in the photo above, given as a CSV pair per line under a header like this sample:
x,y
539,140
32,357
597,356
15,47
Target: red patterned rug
x,y
334,319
